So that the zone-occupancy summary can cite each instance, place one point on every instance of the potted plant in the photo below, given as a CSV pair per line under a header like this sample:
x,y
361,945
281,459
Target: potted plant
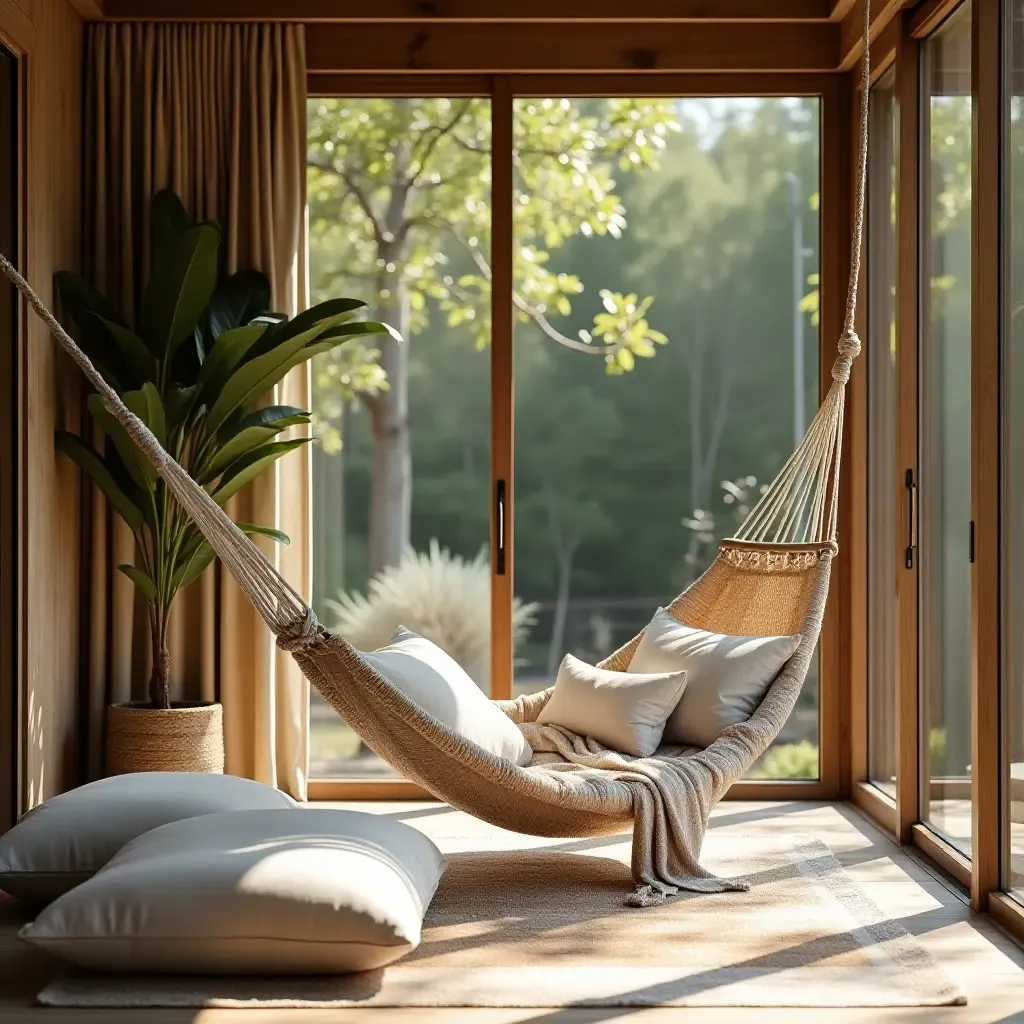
x,y
197,367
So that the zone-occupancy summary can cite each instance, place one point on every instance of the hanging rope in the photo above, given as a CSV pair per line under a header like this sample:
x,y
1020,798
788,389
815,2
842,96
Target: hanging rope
x,y
801,505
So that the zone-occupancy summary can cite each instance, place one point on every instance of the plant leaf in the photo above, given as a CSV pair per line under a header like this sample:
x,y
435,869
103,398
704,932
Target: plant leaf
x,y
251,465
228,351
196,565
242,442
255,377
141,580
138,466
338,311
177,404
146,404
93,464
266,416
132,349
80,299
184,277
202,555
167,217
360,328
235,302
84,305
264,531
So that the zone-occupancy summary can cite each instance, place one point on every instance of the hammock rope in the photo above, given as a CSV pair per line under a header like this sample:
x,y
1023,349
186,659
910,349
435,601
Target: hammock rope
x,y
800,506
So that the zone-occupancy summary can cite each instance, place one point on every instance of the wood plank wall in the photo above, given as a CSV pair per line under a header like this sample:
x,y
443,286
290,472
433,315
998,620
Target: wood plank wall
x,y
48,35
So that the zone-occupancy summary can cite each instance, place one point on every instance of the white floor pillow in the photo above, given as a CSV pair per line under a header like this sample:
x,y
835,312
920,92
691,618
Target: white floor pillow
x,y
67,839
625,711
436,682
251,892
726,676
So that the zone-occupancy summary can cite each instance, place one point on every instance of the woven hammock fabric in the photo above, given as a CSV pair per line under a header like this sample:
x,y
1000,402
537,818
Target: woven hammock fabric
x,y
771,580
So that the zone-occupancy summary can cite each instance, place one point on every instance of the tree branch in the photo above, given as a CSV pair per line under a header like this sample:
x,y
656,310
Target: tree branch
x,y
420,159
354,188
533,312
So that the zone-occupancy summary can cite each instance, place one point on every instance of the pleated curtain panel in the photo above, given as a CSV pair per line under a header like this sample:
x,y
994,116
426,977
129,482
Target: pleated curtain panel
x,y
216,112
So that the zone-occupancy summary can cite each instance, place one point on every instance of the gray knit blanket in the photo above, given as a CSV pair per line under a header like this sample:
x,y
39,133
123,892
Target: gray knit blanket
x,y
672,800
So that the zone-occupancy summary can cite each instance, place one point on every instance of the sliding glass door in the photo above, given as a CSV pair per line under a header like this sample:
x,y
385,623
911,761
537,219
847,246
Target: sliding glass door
x,y
663,256
400,214
883,483
666,357
945,431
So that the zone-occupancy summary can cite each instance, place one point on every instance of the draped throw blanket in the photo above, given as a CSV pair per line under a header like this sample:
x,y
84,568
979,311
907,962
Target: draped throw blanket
x,y
672,800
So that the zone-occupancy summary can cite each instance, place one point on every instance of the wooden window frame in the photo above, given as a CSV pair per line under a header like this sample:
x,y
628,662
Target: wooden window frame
x,y
12,512
835,94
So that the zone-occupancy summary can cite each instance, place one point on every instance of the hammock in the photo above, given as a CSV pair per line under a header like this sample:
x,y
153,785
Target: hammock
x,y
771,579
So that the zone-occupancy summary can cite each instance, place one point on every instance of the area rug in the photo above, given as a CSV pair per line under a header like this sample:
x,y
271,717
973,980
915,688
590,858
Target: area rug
x,y
541,923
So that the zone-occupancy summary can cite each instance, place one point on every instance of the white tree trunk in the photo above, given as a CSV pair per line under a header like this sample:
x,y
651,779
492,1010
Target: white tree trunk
x,y
391,487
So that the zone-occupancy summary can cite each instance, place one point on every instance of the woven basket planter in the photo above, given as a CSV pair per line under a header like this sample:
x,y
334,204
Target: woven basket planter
x,y
187,738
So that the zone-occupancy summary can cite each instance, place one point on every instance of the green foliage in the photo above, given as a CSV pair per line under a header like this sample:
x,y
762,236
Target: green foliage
x,y
399,201
194,370
787,761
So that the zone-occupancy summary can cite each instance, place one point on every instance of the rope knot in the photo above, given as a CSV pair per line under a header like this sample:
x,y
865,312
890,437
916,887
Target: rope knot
x,y
849,344
300,636
841,369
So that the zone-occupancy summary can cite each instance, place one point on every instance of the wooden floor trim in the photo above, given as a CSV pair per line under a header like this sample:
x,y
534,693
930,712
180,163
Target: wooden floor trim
x,y
943,853
878,806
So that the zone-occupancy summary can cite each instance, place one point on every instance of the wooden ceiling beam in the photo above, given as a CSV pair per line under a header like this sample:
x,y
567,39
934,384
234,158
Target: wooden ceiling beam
x,y
572,49
475,11
851,37
88,10
929,16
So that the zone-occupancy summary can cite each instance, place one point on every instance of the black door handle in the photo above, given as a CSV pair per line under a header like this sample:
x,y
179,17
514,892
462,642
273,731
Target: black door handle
x,y
499,501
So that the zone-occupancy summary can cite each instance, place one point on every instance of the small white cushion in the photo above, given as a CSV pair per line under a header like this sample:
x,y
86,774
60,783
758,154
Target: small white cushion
x,y
67,839
251,892
622,710
439,685
726,676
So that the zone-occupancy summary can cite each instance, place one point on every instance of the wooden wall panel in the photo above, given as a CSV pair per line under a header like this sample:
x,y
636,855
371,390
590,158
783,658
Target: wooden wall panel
x,y
51,389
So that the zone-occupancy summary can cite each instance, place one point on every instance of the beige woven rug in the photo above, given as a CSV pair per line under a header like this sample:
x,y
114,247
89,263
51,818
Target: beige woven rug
x,y
523,922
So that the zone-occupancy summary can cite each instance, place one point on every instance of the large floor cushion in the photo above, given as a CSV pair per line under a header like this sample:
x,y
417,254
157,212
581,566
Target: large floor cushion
x,y
251,892
67,839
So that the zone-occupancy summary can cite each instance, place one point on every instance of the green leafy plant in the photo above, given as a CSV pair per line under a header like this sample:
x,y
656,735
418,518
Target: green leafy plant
x,y
196,368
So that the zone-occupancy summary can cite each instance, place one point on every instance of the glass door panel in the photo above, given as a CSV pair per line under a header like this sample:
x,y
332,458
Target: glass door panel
x,y
1013,458
883,496
399,208
945,430
666,357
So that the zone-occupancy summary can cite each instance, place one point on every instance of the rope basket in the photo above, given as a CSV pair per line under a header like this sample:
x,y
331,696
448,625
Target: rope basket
x,y
189,737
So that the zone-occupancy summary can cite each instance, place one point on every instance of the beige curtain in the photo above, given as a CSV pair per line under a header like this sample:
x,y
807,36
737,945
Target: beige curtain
x,y
218,113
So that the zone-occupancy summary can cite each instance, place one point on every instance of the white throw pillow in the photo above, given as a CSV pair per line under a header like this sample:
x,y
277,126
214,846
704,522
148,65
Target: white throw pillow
x,y
625,711
251,892
439,685
67,839
726,676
